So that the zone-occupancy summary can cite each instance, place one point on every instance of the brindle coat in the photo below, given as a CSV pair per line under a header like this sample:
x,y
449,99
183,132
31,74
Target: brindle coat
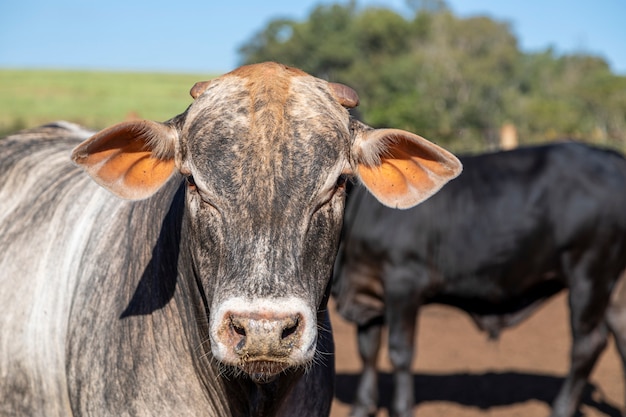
x,y
202,291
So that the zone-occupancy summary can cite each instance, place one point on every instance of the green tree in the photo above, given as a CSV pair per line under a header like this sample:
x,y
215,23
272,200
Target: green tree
x,y
453,80
322,45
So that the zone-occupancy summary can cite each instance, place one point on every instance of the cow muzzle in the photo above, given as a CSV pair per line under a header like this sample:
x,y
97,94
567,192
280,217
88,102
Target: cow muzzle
x,y
264,338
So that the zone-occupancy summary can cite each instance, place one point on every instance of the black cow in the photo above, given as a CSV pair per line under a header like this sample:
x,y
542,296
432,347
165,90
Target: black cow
x,y
511,231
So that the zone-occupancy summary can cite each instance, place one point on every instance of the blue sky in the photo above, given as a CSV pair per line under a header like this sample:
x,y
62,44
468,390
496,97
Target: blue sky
x,y
204,36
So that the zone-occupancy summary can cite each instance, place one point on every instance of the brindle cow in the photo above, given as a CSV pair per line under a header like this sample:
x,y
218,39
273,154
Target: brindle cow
x,y
194,281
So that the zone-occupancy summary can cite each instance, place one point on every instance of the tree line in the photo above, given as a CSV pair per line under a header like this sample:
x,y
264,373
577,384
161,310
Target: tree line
x,y
454,80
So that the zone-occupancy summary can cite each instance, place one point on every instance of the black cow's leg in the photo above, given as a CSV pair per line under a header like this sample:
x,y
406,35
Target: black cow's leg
x,y
401,319
588,300
616,319
366,402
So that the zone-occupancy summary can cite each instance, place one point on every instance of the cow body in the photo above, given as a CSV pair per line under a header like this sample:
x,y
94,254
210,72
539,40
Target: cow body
x,y
188,272
66,226
514,229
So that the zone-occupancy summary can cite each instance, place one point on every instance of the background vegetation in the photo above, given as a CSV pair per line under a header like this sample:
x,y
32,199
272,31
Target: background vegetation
x,y
93,99
453,80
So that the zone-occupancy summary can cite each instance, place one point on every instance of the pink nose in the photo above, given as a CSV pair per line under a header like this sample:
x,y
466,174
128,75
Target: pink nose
x,y
262,345
255,336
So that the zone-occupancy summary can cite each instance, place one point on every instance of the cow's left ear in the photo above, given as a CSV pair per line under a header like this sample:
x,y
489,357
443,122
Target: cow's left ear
x,y
131,159
402,169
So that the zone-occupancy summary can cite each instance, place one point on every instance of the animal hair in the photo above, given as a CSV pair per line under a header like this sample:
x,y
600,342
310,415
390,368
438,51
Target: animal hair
x,y
162,146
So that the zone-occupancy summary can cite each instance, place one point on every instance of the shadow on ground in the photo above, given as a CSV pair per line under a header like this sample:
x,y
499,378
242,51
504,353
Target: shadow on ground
x,y
476,390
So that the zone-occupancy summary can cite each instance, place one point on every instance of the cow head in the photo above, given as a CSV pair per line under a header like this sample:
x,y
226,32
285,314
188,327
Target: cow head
x,y
265,151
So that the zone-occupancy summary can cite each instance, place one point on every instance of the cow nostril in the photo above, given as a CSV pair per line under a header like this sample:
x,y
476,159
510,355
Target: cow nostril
x,y
240,330
289,330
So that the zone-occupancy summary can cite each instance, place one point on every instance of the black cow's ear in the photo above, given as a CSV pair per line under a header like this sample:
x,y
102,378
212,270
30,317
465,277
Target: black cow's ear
x,y
402,169
131,159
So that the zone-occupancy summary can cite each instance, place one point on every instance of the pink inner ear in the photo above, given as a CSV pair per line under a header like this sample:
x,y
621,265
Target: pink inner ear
x,y
411,169
120,159
431,158
394,179
399,184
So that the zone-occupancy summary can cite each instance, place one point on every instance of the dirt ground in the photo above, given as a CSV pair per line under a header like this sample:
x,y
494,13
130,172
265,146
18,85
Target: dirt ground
x,y
458,372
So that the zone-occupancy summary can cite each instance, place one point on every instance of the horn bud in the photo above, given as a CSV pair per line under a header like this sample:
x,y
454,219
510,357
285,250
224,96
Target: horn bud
x,y
347,97
199,88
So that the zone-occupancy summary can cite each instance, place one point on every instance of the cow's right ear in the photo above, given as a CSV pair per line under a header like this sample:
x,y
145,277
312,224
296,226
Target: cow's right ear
x,y
399,168
131,159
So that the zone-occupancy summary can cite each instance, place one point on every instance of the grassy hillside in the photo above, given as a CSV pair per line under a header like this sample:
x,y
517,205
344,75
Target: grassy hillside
x,y
95,99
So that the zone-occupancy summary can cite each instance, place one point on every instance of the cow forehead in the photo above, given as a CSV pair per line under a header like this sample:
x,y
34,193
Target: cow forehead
x,y
262,126
266,100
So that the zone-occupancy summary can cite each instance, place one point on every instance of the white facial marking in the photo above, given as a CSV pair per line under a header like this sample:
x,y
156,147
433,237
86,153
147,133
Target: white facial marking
x,y
281,307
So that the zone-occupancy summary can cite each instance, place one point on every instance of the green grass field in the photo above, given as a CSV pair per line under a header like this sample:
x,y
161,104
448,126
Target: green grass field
x,y
29,98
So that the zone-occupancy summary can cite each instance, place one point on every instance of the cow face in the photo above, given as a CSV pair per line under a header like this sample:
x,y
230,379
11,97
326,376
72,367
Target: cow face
x,y
265,151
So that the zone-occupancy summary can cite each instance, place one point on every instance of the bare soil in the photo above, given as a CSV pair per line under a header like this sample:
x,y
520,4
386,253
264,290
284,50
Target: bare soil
x,y
458,372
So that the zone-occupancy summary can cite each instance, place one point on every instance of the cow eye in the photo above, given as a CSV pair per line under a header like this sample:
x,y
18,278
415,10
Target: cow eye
x,y
341,182
191,183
